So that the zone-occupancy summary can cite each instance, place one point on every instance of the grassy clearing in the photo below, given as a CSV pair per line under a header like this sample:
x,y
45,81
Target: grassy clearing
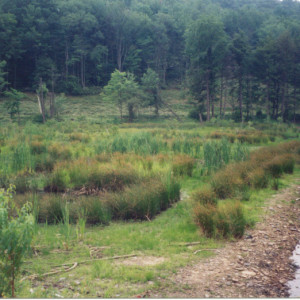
x,y
156,241
101,188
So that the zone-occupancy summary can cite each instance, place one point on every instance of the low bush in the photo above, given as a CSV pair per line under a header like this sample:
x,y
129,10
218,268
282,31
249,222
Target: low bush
x,y
37,147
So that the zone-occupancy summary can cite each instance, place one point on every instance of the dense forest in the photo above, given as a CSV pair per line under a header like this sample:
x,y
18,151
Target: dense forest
x,y
229,54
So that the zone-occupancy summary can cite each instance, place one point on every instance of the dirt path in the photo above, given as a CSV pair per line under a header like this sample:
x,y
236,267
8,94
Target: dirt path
x,y
256,266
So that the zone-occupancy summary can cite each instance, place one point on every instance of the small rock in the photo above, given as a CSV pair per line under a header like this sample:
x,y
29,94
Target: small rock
x,y
58,296
31,291
77,282
207,296
246,274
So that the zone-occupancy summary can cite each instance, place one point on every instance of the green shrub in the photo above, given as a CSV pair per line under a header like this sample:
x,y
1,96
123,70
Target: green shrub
x,y
15,239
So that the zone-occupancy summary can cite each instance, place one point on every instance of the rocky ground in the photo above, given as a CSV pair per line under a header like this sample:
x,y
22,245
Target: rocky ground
x,y
257,266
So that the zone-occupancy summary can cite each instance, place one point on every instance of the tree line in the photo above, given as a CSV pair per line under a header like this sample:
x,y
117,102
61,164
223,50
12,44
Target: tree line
x,y
232,55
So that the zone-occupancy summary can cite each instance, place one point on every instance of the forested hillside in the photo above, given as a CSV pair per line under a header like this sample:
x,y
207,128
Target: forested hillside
x,y
231,55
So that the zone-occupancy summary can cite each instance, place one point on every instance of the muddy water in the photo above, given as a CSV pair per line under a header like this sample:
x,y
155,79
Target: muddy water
x,y
294,285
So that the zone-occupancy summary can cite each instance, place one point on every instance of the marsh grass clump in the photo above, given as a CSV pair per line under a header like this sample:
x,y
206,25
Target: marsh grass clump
x,y
216,154
91,176
280,164
95,210
204,216
230,219
44,163
183,165
205,196
37,147
263,165
142,201
258,179
60,151
21,158
80,137
225,182
51,209
222,221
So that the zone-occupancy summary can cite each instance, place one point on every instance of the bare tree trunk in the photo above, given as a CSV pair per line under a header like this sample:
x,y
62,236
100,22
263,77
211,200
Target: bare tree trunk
x,y
268,99
41,100
82,70
119,55
295,104
221,93
52,96
240,98
67,60
12,278
130,112
212,106
200,118
207,97
283,100
225,98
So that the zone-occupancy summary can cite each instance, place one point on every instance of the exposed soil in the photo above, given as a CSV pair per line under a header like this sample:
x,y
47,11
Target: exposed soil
x,y
257,266
143,261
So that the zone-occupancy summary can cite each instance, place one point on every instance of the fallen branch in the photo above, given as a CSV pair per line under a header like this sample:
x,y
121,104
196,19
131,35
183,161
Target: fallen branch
x,y
204,250
96,259
50,273
74,265
187,244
